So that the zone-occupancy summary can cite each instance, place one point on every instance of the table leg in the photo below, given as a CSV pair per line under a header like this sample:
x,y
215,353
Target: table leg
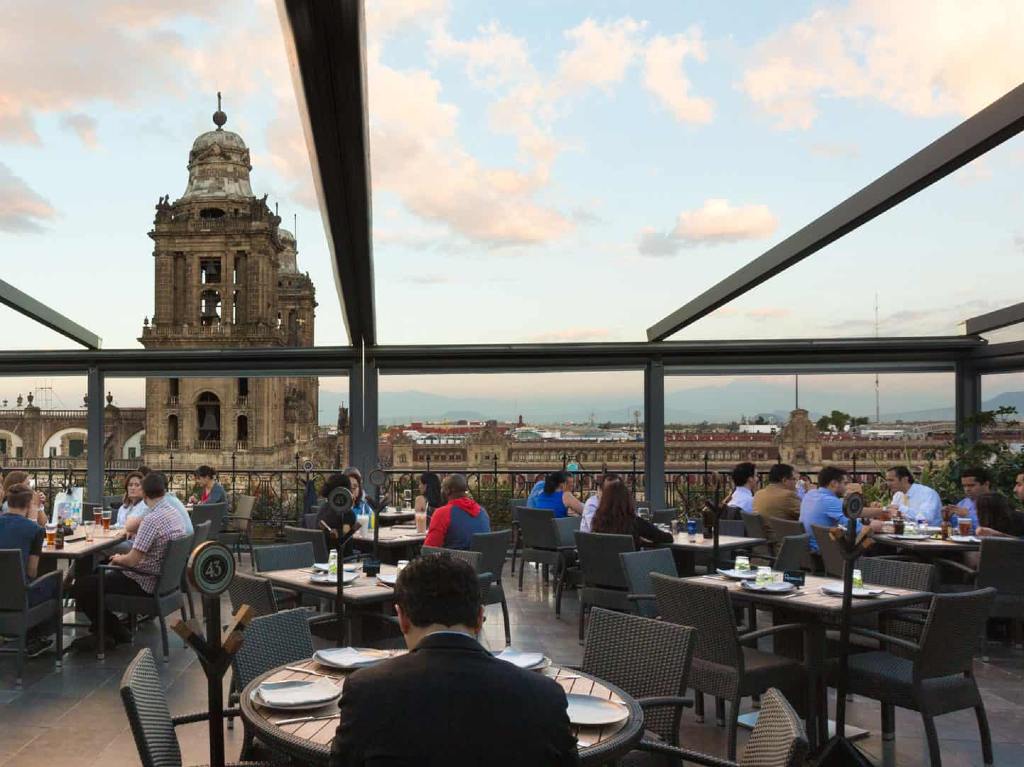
x,y
686,562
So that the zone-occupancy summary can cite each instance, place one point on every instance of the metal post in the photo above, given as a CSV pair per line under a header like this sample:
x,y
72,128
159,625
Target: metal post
x,y
968,400
362,385
94,431
654,435
214,682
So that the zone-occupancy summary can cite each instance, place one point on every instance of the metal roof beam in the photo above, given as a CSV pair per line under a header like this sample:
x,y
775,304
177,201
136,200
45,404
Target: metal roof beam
x,y
988,128
1000,318
327,52
44,315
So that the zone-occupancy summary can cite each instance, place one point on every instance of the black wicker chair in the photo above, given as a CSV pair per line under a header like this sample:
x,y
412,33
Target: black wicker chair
x,y
792,553
778,740
517,534
284,556
664,516
778,528
637,567
270,641
473,558
254,591
314,537
651,667
831,558
543,543
493,548
212,512
722,666
142,693
734,527
937,677
16,617
604,581
753,525
166,598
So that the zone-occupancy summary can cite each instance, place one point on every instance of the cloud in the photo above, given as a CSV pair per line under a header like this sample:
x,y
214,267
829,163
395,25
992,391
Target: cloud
x,y
665,78
22,209
918,322
835,150
571,335
925,58
1018,240
492,58
716,221
768,313
426,280
83,126
601,53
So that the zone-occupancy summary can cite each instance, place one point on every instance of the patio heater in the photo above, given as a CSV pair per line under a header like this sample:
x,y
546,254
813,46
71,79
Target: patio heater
x,y
341,501
840,751
382,484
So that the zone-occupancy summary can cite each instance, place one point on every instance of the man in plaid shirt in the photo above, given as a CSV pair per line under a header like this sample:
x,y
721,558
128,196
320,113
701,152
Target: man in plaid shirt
x,y
160,526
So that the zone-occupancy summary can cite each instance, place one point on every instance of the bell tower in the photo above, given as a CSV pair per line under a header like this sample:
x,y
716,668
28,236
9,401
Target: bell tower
x,y
226,276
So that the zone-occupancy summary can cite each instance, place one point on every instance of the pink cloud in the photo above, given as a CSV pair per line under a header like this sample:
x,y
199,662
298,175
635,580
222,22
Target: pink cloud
x,y
716,221
22,209
665,78
83,126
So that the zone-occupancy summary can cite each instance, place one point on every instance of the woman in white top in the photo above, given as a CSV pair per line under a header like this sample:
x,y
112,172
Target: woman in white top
x,y
132,497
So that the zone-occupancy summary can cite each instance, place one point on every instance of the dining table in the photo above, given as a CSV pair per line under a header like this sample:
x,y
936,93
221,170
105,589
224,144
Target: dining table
x,y
687,552
816,611
929,546
309,741
394,542
76,547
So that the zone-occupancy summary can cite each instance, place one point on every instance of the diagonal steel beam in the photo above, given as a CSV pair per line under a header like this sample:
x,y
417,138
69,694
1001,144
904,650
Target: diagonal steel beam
x,y
990,127
44,315
1000,318
327,52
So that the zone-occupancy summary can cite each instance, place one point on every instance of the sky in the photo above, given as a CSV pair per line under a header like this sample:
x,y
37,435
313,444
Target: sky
x,y
541,171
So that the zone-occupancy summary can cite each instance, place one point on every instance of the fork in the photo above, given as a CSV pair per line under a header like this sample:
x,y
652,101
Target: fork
x,y
309,671
306,719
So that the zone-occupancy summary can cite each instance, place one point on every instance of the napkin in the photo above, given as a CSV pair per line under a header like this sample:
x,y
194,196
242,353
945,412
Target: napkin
x,y
349,657
521,659
298,692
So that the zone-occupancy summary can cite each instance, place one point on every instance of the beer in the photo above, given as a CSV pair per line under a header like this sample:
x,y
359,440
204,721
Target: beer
x,y
51,535
964,523
106,520
421,521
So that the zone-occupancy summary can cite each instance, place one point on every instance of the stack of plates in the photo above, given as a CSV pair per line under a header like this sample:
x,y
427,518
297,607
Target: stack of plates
x,y
323,567
770,588
738,575
531,661
588,711
349,658
296,694
388,579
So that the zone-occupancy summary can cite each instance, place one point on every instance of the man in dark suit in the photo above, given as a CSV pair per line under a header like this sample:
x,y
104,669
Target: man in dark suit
x,y
449,701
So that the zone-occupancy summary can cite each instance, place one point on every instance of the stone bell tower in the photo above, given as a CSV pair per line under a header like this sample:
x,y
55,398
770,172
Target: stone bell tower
x,y
226,276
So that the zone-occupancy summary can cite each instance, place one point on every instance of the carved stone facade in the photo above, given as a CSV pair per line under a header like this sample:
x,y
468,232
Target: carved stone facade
x,y
226,276
799,442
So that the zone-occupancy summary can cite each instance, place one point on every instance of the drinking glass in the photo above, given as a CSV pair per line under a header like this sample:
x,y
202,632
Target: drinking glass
x,y
89,525
742,564
858,580
421,521
51,534
106,520
965,525
764,576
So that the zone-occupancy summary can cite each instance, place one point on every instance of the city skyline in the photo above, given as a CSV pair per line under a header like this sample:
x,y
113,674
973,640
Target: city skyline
x,y
654,147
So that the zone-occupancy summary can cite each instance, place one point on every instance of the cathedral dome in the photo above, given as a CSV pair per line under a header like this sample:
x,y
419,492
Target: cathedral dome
x,y
289,251
218,165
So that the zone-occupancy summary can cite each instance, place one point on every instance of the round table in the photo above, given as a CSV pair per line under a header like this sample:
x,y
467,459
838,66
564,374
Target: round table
x,y
310,742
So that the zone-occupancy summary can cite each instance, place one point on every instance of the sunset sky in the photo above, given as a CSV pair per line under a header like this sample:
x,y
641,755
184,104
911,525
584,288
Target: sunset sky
x,y
542,171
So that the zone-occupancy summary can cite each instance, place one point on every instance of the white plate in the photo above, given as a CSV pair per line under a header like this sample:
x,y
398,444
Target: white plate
x,y
326,579
297,695
525,660
911,537
588,711
348,658
323,567
965,539
388,579
737,575
836,590
771,588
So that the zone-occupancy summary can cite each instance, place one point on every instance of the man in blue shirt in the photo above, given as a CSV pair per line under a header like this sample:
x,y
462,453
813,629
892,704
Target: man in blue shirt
x,y
823,506
976,482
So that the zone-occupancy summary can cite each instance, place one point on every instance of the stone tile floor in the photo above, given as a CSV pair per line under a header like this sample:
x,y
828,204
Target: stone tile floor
x,y
74,716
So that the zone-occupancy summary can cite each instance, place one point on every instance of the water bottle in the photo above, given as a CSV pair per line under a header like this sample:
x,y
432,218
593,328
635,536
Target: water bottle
x,y
332,563
691,530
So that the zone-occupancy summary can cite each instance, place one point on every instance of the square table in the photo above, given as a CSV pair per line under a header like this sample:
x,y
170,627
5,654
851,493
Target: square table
x,y
816,611
929,547
394,542
79,548
686,553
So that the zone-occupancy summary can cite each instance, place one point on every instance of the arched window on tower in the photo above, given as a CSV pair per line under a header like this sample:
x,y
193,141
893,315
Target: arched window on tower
x,y
210,302
242,435
172,431
208,419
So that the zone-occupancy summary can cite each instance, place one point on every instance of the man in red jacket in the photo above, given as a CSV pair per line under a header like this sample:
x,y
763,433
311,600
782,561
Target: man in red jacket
x,y
452,526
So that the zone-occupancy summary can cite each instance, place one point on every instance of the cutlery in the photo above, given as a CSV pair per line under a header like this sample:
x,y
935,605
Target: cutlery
x,y
307,719
309,671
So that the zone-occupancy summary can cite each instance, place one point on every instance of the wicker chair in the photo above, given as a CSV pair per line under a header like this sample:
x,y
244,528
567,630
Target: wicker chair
x,y
779,528
493,547
734,527
214,512
638,566
937,678
778,740
791,553
753,524
517,534
201,533
112,502
165,599
473,558
664,516
284,556
722,666
270,641
314,536
604,581
254,591
651,667
544,543
142,692
828,550
238,527
16,617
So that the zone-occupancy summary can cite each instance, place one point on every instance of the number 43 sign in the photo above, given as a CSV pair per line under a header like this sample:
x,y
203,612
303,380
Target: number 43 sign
x,y
211,568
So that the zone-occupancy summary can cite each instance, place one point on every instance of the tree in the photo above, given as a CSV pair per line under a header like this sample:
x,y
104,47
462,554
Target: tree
x,y
760,420
824,423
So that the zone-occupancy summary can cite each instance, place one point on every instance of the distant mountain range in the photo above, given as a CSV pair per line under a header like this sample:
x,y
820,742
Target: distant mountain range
x,y
707,403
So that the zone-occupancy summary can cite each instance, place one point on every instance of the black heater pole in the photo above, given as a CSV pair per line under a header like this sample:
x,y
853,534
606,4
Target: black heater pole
x,y
214,682
339,589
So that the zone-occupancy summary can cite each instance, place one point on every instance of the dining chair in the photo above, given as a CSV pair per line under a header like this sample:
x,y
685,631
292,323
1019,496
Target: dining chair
x,y
270,641
778,528
637,567
473,558
936,677
544,543
314,536
17,618
777,740
237,530
167,596
723,665
214,512
603,579
284,556
753,525
153,727
517,537
493,548
254,591
791,553
651,667
828,550
664,516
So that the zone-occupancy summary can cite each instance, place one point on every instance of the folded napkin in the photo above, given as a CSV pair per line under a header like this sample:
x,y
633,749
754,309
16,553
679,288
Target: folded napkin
x,y
349,657
836,590
298,692
521,659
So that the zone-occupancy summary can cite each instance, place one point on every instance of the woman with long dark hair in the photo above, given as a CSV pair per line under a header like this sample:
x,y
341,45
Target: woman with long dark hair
x,y
430,497
617,514
996,517
557,497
